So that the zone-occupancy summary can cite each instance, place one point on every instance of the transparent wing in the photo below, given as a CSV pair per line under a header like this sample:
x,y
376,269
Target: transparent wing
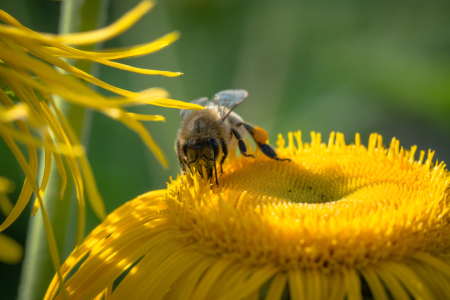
x,y
204,101
227,100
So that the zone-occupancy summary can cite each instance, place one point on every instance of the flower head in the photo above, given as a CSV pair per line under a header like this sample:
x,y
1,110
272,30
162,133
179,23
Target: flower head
x,y
318,227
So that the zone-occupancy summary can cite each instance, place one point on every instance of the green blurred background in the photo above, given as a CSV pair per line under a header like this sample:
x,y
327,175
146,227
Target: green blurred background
x,y
348,66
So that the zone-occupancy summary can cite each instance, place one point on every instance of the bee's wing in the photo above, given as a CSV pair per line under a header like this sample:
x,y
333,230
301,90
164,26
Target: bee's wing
x,y
227,100
204,101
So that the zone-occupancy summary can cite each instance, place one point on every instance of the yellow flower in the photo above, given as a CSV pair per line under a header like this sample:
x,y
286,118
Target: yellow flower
x,y
336,218
28,113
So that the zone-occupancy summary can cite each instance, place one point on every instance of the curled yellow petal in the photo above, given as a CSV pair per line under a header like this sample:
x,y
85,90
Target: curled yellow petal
x,y
61,148
119,53
93,36
108,32
143,133
6,186
95,199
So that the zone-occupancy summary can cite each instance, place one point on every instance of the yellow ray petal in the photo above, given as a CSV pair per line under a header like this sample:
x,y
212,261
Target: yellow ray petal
x,y
170,103
30,172
277,287
95,199
158,101
42,70
119,53
108,32
6,186
94,36
53,248
46,73
10,20
33,49
61,135
60,84
21,90
18,112
144,134
83,96
59,163
62,148
11,252
140,117
253,283
95,101
47,168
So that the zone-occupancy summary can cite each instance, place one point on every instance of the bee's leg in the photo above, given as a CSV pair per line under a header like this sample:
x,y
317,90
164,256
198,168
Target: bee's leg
x,y
215,171
180,159
268,151
241,143
260,137
225,153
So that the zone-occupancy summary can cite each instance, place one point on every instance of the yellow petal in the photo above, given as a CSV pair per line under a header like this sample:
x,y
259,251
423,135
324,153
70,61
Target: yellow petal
x,y
119,53
10,20
94,36
59,163
106,33
62,148
43,72
95,199
61,136
11,252
140,117
141,131
35,50
6,186
30,184
18,112
45,177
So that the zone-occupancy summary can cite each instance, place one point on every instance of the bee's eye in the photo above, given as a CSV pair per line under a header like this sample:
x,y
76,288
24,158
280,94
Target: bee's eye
x,y
215,145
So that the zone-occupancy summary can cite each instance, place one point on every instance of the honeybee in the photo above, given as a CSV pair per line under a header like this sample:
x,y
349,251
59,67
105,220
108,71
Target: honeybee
x,y
206,135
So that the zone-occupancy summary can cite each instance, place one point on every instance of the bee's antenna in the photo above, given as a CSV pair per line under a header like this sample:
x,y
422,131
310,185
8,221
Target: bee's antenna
x,y
229,112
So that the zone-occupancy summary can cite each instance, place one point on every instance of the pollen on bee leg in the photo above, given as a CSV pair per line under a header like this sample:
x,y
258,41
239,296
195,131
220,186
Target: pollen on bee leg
x,y
260,135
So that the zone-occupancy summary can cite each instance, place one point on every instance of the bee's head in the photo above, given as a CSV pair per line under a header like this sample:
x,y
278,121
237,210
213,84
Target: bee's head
x,y
201,151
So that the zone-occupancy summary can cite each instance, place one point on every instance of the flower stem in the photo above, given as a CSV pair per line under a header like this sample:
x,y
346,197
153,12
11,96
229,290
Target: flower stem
x,y
38,271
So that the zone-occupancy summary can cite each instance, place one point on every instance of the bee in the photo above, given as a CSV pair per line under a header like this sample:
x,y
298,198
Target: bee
x,y
206,135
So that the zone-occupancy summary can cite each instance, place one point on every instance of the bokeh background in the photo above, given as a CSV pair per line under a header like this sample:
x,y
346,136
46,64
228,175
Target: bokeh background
x,y
348,66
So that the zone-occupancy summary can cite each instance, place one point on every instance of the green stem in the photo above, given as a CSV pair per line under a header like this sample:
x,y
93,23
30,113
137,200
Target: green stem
x,y
38,271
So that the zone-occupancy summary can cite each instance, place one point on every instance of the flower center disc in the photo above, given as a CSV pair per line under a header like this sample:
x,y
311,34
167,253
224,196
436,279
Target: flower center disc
x,y
332,205
271,181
